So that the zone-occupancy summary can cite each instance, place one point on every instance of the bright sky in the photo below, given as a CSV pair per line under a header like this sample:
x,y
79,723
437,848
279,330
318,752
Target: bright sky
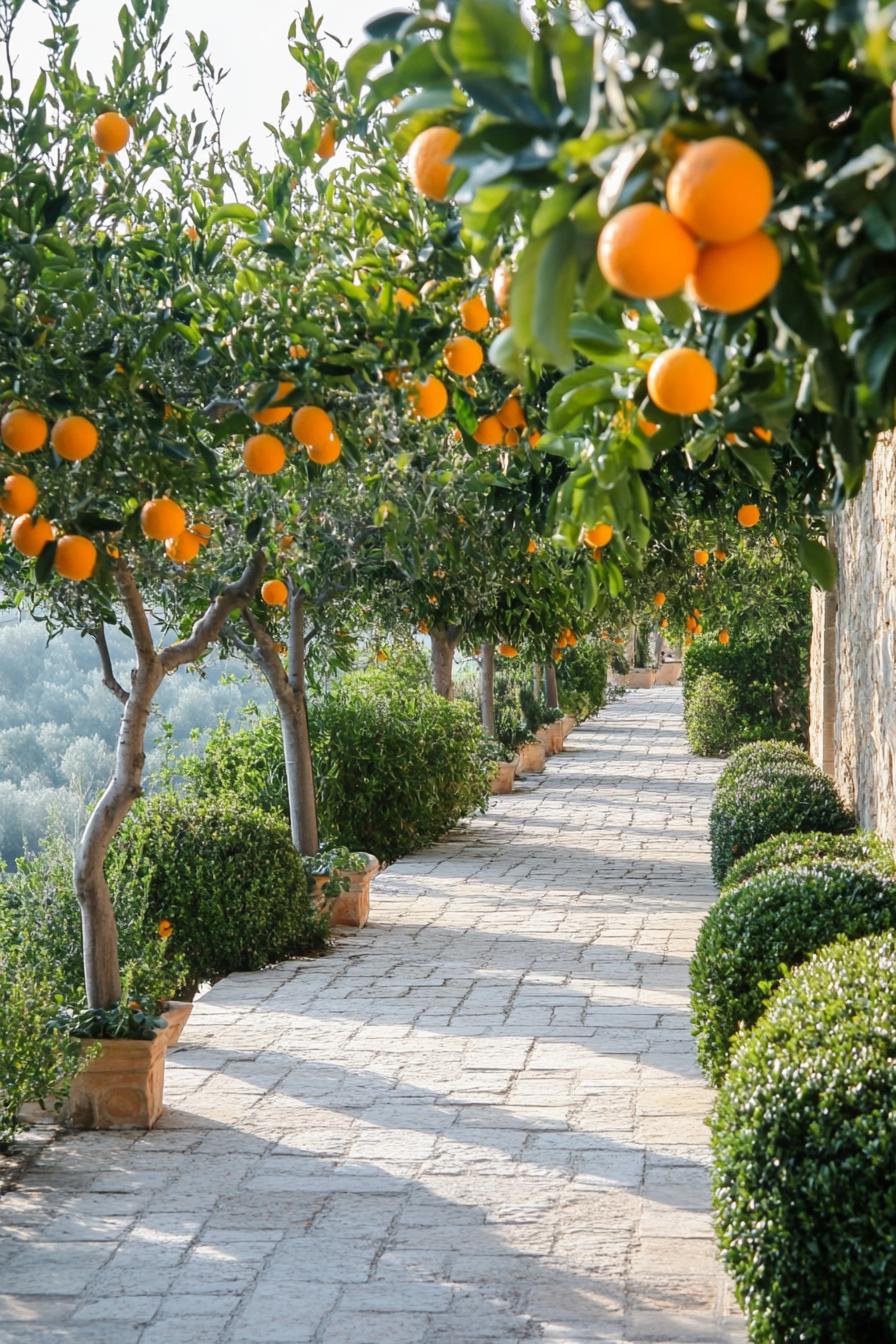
x,y
247,39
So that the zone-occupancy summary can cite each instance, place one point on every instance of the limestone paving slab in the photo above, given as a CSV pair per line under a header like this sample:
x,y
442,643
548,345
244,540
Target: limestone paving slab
x,y
479,1120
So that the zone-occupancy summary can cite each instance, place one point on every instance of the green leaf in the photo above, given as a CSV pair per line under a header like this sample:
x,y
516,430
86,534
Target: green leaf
x,y
240,214
818,562
489,36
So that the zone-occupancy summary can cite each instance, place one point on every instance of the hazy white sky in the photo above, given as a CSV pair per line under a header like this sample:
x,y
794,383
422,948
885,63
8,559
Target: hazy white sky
x,y
248,39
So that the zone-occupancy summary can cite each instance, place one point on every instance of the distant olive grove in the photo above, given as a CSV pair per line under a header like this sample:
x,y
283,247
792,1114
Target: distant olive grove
x,y
58,724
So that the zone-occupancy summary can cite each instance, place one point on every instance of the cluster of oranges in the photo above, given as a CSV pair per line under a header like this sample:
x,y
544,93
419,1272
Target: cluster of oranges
x,y
73,439
567,639
264,454
163,519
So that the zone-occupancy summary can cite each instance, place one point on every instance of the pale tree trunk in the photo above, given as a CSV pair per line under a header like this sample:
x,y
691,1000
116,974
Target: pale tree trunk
x,y
487,686
290,695
101,970
443,642
552,694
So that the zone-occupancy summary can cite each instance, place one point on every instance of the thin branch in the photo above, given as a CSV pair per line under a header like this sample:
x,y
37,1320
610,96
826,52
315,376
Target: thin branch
x,y
110,681
247,650
133,602
209,626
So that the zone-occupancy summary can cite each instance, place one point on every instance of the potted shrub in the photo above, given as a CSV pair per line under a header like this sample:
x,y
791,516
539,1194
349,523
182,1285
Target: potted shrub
x,y
339,882
510,737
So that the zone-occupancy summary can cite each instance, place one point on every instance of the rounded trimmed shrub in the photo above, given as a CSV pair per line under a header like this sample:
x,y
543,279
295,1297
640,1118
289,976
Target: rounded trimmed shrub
x,y
760,755
710,716
774,921
760,801
804,1139
801,847
225,875
767,672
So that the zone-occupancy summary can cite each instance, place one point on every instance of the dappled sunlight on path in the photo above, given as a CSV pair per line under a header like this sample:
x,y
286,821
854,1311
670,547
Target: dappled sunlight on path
x,y
480,1119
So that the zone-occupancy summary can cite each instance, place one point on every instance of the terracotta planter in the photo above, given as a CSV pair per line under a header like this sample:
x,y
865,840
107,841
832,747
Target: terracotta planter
x,y
531,758
545,737
505,774
352,905
668,674
567,723
122,1088
557,735
641,678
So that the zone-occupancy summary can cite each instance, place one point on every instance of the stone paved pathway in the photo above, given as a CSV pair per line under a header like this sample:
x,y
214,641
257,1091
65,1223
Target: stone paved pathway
x,y
478,1121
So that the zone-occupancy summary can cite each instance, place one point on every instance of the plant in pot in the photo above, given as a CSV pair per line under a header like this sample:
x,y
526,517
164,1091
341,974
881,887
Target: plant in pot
x,y
339,881
511,735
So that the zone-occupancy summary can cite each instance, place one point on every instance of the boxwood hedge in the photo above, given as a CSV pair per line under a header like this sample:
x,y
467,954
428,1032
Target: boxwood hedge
x,y
710,716
762,800
755,755
771,922
800,847
804,1139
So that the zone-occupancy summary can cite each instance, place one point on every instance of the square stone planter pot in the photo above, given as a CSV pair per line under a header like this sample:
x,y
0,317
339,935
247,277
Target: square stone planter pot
x,y
352,905
532,758
668,674
641,678
545,737
567,723
557,735
505,774
123,1087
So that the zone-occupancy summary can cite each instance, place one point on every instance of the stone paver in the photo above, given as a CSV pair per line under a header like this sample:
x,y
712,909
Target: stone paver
x,y
478,1121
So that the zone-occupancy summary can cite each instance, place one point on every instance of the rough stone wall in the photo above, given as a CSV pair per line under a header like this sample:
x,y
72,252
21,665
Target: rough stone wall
x,y
853,692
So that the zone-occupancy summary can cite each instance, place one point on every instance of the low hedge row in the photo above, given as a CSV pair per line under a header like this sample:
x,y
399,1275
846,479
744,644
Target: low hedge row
x,y
811,847
804,1146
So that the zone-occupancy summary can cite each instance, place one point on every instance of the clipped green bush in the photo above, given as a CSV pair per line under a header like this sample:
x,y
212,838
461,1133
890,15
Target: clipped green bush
x,y
765,800
768,674
710,716
582,678
770,922
396,766
225,875
805,1154
801,847
36,1064
761,755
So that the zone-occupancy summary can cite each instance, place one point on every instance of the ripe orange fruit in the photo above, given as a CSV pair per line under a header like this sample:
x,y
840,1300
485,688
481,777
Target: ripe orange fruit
x,y
489,432
298,352
748,515
19,495
405,298
429,398
534,438
274,593
690,623
202,531
532,546
764,434
598,536
724,637
501,282
312,426
732,277
74,437
324,454
23,431
428,161
507,650
75,558
647,427
463,356
720,555
264,455
274,414
720,189
382,656
682,381
659,599
664,623
162,518
111,132
701,557
184,548
423,627
474,314
326,145
511,438
29,535
645,252
511,414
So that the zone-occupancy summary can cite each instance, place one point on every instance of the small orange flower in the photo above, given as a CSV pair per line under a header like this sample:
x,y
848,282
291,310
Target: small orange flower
x,y
166,928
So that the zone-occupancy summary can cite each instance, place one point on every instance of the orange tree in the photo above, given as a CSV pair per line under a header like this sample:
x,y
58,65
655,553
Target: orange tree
x,y
743,155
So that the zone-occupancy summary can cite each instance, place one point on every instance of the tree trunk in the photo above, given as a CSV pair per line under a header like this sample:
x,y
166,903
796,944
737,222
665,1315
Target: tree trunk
x,y
552,694
102,978
289,694
100,937
443,642
487,686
